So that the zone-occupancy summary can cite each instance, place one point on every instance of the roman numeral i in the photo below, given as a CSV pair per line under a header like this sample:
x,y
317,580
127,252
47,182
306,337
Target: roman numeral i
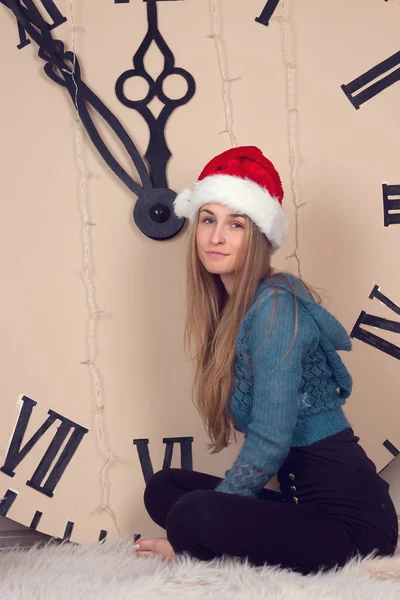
x,y
267,12
373,321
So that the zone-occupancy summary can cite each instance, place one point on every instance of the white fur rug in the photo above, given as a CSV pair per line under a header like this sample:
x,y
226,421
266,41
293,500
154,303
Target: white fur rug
x,y
113,572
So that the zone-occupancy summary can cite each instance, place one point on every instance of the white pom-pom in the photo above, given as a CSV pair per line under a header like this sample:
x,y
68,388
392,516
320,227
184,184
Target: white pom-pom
x,y
182,206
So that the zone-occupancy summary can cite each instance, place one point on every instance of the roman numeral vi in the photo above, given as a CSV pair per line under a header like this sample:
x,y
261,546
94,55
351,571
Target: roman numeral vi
x,y
142,446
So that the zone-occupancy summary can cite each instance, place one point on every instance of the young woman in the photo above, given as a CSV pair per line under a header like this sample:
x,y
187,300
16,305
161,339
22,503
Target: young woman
x,y
266,364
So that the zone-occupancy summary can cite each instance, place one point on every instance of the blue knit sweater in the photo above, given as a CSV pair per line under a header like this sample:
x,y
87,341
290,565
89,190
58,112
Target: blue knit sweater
x,y
288,391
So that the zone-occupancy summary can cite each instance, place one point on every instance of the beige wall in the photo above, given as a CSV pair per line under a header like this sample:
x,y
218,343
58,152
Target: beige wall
x,y
344,156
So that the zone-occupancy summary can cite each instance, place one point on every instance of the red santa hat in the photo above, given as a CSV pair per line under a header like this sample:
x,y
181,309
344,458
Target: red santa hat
x,y
246,181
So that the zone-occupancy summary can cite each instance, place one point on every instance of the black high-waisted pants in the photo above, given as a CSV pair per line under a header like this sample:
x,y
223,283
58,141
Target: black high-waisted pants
x,y
332,506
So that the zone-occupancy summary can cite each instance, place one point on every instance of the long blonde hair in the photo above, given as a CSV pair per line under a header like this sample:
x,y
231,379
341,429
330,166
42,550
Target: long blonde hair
x,y
213,320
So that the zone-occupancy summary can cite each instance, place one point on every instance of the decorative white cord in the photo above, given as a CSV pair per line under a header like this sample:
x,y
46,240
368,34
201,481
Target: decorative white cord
x,y
93,312
292,138
226,81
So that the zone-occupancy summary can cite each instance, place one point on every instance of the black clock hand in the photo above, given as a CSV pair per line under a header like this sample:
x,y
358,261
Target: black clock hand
x,y
158,153
82,95
53,52
153,210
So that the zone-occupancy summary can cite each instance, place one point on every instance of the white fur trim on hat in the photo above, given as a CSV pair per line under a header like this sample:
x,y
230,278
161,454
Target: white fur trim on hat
x,y
241,195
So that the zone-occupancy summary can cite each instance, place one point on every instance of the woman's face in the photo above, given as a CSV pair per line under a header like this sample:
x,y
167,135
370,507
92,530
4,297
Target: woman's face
x,y
221,238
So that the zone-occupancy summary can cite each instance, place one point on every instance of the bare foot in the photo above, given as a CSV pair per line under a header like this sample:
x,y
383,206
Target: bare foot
x,y
160,546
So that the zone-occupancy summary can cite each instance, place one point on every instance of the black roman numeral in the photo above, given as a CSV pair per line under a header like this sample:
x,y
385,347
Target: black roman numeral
x,y
142,446
389,472
391,447
67,533
267,12
391,202
380,323
36,519
54,473
66,538
7,502
51,9
368,77
128,1
102,535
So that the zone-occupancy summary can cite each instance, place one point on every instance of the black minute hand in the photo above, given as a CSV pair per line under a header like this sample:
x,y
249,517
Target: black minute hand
x,y
153,212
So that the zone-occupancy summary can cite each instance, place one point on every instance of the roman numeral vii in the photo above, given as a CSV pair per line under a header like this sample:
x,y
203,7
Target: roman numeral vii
x,y
53,473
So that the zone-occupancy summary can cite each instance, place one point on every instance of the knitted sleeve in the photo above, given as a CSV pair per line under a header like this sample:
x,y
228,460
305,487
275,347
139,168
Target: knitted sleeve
x,y
276,357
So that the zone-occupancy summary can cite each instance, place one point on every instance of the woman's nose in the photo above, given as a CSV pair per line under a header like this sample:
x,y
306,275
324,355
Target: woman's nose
x,y
217,235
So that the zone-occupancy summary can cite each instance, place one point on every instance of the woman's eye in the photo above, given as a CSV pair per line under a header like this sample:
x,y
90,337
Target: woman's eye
x,y
209,220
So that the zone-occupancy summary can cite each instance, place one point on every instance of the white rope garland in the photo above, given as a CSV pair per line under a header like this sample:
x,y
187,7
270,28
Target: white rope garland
x,y
226,81
93,311
290,67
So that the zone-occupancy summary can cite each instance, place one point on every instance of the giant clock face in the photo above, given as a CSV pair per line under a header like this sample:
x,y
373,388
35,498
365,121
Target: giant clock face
x,y
80,433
